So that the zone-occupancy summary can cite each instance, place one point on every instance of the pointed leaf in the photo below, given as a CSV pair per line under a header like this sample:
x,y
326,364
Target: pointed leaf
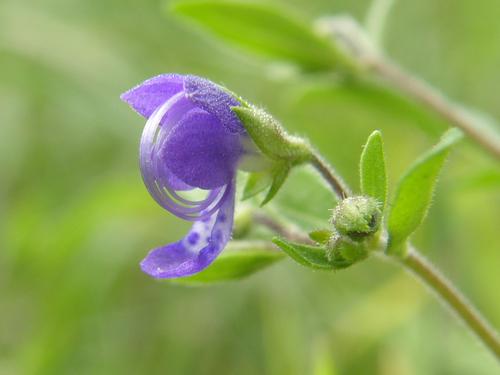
x,y
321,236
414,192
239,260
310,256
263,29
372,169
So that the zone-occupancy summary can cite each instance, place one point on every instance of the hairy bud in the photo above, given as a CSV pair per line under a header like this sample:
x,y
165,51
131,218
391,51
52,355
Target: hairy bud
x,y
357,217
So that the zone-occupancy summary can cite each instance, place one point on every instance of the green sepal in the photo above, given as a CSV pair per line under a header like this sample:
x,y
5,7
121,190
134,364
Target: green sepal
x,y
270,137
279,174
321,236
414,193
271,179
373,175
311,256
237,261
352,251
256,183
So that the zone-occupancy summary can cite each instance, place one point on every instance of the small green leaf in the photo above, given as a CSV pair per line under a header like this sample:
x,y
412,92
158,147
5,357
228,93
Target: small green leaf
x,y
237,261
270,137
321,236
372,169
279,176
414,192
263,29
310,256
256,182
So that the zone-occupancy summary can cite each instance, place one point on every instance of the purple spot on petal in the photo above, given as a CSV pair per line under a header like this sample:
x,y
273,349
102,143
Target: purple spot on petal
x,y
193,238
222,218
217,235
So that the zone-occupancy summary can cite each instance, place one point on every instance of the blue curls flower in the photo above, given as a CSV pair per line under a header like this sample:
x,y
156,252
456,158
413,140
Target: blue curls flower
x,y
192,140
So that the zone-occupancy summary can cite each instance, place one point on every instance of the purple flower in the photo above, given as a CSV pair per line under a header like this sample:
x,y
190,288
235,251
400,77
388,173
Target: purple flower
x,y
192,140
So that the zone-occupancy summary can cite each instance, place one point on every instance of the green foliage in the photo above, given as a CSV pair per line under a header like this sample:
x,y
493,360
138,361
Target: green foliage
x,y
267,30
311,256
414,192
274,142
256,183
279,175
75,218
373,175
271,179
321,236
270,137
351,251
237,261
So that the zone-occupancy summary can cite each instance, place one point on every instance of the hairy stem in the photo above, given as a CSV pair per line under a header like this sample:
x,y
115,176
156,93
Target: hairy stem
x,y
286,231
475,127
453,298
422,268
329,175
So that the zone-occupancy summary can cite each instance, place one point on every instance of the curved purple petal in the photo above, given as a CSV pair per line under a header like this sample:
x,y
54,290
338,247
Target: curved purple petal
x,y
213,99
152,93
169,114
160,181
198,249
200,152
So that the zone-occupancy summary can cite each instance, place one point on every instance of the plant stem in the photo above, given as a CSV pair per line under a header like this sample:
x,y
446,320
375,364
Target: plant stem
x,y
422,268
476,128
329,175
453,298
286,231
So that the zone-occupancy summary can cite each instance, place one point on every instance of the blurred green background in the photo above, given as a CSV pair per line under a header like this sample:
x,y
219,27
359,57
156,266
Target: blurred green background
x,y
75,219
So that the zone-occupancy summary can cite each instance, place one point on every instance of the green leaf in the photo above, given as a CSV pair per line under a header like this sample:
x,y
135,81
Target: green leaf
x,y
414,192
263,29
239,260
256,182
321,236
270,136
372,169
310,256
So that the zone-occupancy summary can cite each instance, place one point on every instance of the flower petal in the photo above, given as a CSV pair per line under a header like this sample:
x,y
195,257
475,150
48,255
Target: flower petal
x,y
169,113
200,152
213,99
149,95
198,249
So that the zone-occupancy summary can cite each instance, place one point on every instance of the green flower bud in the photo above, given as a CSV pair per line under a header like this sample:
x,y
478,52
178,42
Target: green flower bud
x,y
357,217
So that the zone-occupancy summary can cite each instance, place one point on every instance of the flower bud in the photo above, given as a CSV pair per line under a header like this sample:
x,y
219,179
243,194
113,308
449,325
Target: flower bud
x,y
357,217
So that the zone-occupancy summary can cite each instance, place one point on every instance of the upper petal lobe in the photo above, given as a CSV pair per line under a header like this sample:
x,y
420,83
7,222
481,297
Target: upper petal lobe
x,y
152,93
213,99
